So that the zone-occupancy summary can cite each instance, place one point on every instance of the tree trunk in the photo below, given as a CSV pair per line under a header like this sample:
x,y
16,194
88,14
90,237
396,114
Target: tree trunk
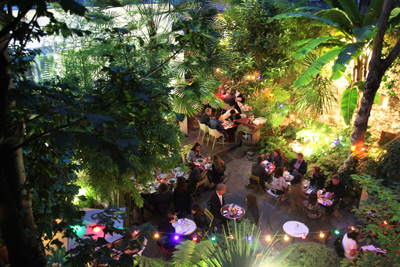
x,y
16,218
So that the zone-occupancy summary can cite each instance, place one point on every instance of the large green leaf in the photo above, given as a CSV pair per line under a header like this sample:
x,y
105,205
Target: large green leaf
x,y
394,19
348,53
316,67
349,103
305,15
338,16
376,98
365,34
373,14
310,46
351,8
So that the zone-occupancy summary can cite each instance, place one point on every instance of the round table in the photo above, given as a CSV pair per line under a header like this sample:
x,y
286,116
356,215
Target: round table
x,y
184,226
295,229
226,211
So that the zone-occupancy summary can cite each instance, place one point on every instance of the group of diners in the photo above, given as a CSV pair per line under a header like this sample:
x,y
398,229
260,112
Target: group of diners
x,y
216,122
273,174
167,230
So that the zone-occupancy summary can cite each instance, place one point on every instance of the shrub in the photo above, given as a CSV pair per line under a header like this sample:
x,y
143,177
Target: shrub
x,y
310,255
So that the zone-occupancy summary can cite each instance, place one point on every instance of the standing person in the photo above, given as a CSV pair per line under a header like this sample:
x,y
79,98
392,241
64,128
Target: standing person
x,y
296,189
276,158
194,153
199,217
350,246
231,101
317,178
167,231
205,118
252,212
217,170
194,177
216,124
216,202
181,198
278,182
259,171
162,200
298,165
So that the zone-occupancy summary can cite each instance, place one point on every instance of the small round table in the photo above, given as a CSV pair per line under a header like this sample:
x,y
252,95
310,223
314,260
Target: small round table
x,y
226,212
295,229
184,226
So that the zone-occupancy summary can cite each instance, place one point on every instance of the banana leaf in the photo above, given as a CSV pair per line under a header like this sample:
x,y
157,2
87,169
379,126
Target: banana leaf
x,y
348,104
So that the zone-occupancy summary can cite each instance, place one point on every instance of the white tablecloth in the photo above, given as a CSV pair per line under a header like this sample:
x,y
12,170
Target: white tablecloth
x,y
295,229
184,226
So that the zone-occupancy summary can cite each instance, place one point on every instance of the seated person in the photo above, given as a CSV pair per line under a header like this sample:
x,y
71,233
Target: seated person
x,y
216,124
259,171
350,246
194,177
181,198
312,208
199,217
217,170
252,212
336,187
317,178
167,231
276,158
234,116
162,200
205,118
278,182
298,165
194,153
296,189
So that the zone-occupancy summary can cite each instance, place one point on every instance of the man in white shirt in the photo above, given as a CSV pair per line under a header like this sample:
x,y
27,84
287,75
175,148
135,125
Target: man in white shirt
x,y
350,245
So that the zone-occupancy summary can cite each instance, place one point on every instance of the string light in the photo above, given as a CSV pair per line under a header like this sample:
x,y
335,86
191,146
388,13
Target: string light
x,y
213,238
385,151
268,238
253,77
353,148
352,228
292,116
304,236
363,149
321,234
374,150
232,237
340,138
136,232
344,144
96,229
156,235
194,238
385,222
281,105
298,121
217,69
286,238
337,232
176,237
249,238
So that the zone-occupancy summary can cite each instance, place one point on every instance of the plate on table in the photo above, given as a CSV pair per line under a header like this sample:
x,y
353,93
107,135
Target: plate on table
x,y
172,181
177,169
200,161
207,166
329,202
163,176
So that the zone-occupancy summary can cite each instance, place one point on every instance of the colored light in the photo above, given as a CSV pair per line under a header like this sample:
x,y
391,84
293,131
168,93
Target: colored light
x,y
303,236
363,149
298,121
195,238
249,238
337,232
286,111
281,105
374,150
213,238
343,144
340,137
217,69
268,238
259,77
385,151
352,228
321,234
385,222
96,229
232,237
156,235
176,237
353,148
292,116
136,232
271,95
286,238
253,77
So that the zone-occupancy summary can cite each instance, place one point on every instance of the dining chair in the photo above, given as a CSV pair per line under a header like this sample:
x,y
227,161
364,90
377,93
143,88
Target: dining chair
x,y
198,190
285,160
203,128
209,216
214,133
257,185
272,192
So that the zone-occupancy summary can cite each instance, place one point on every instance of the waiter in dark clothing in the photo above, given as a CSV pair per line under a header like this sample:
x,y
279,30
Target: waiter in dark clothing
x,y
216,202
167,231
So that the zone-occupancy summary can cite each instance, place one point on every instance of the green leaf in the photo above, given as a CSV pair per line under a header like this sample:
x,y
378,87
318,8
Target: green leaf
x,y
365,34
348,104
310,46
360,85
338,16
373,14
316,67
376,98
348,53
304,15
73,7
394,18
351,8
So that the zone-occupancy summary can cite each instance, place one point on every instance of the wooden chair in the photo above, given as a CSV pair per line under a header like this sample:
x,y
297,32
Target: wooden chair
x,y
209,216
204,128
255,186
285,160
272,192
198,190
214,133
